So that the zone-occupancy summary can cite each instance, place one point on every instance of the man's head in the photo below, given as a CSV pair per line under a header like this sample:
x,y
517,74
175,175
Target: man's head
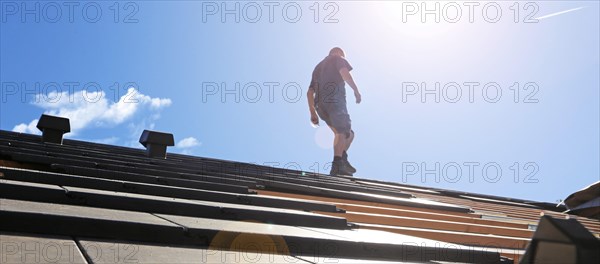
x,y
337,51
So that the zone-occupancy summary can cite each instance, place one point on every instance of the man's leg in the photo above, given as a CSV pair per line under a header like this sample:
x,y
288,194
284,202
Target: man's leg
x,y
349,140
340,143
339,123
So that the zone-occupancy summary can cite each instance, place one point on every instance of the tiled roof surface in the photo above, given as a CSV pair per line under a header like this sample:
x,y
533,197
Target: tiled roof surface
x,y
104,204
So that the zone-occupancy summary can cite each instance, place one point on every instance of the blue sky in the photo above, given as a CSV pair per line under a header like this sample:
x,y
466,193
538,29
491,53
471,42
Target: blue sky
x,y
236,89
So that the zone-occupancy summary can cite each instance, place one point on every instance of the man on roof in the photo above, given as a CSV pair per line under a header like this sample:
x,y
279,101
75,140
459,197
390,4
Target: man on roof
x,y
327,98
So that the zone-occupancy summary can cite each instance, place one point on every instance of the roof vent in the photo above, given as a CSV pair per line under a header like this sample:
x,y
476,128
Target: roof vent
x,y
156,143
562,241
53,128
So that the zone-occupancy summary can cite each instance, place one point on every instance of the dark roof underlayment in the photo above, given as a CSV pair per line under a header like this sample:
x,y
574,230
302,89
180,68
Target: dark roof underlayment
x,y
96,203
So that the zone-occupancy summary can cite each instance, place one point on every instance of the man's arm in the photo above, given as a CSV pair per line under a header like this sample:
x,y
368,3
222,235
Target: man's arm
x,y
310,95
348,79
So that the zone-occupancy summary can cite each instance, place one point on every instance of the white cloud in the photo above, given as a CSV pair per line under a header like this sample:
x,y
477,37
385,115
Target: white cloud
x,y
108,141
188,142
558,13
27,128
85,109
186,145
130,103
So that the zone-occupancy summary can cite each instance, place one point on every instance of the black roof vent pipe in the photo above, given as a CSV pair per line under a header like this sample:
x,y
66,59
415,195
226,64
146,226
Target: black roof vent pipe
x,y
53,128
156,143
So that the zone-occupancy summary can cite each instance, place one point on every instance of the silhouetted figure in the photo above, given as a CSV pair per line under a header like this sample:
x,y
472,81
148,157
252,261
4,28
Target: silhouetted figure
x,y
327,98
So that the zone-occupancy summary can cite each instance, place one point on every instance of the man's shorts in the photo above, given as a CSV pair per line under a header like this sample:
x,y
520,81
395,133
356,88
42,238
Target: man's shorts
x,y
336,116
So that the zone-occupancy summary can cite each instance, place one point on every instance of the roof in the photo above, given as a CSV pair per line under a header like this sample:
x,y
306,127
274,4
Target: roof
x,y
585,202
100,203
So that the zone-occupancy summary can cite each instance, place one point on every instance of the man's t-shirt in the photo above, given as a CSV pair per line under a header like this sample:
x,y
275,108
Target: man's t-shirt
x,y
328,83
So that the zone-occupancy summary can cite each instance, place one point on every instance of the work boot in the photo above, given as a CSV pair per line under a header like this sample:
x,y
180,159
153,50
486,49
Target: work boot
x,y
339,168
349,166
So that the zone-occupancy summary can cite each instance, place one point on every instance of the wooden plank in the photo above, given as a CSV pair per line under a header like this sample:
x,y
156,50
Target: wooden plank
x,y
134,177
160,190
330,260
488,206
339,201
433,224
35,248
398,187
469,218
154,204
198,230
527,214
479,240
367,244
107,251
385,237
68,220
14,164
362,196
